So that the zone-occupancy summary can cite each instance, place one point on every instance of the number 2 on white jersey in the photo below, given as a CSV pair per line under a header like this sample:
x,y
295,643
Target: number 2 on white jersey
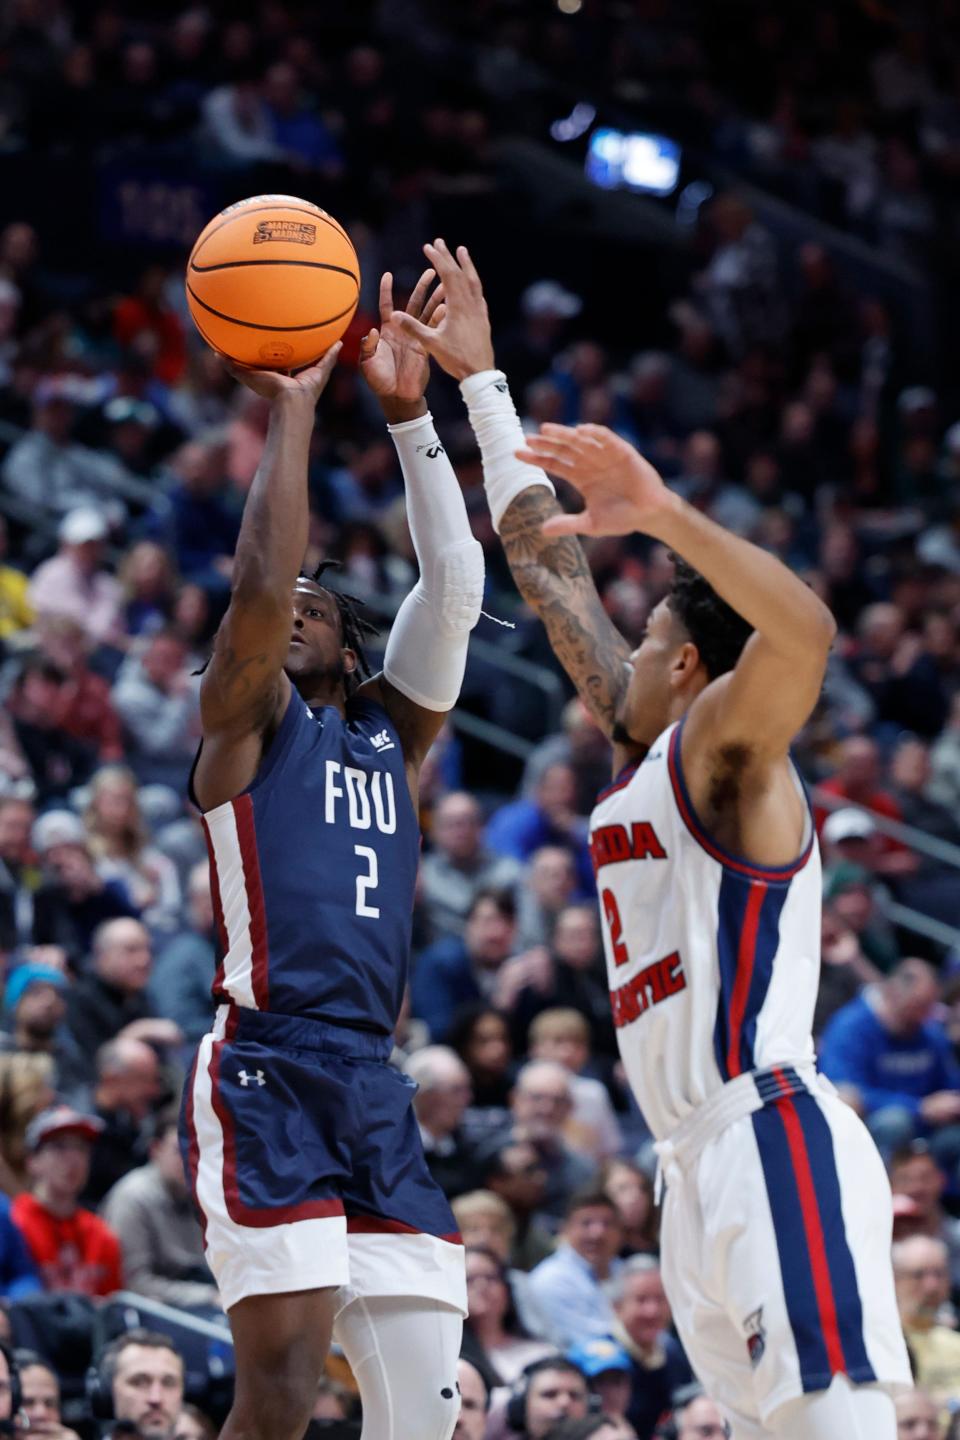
x,y
370,881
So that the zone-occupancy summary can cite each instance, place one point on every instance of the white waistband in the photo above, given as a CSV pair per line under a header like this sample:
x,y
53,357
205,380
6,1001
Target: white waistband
x,y
731,1102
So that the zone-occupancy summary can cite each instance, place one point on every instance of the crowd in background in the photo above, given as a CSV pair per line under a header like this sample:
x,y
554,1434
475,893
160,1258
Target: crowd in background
x,y
776,390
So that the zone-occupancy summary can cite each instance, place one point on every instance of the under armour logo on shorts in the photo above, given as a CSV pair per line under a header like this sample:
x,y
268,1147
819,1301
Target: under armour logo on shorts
x,y
257,1079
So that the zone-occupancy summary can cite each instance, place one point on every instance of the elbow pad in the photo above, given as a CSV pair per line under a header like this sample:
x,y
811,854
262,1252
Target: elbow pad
x,y
426,653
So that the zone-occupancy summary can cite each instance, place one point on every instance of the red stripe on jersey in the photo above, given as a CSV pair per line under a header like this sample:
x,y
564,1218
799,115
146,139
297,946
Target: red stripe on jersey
x,y
193,1149
262,1218
380,1225
813,1228
247,838
746,956
217,908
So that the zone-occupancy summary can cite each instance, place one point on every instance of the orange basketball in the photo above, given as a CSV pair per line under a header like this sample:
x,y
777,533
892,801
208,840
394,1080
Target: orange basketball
x,y
273,282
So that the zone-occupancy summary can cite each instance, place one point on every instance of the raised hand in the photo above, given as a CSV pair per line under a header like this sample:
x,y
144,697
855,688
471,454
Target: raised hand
x,y
622,492
393,361
307,384
459,340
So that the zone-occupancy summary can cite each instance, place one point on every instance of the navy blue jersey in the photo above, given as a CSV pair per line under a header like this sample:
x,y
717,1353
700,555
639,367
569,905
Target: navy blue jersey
x,y
313,870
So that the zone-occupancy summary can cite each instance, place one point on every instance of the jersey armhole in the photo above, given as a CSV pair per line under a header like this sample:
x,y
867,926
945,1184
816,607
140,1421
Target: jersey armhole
x,y
772,874
269,762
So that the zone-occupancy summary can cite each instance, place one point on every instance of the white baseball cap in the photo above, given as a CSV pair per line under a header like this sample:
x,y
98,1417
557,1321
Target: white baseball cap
x,y
848,824
83,525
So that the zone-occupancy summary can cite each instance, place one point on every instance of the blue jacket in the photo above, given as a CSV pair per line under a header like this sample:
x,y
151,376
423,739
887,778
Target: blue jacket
x,y
886,1069
442,982
17,1274
520,828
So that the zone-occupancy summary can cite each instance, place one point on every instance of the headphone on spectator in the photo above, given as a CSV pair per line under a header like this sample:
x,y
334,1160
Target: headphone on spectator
x,y
16,1389
98,1387
516,1411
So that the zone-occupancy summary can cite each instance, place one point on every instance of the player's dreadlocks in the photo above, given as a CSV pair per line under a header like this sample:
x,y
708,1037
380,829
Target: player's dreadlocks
x,y
355,628
716,629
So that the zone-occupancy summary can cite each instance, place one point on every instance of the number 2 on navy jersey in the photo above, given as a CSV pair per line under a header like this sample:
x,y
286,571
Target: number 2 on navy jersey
x,y
366,882
612,912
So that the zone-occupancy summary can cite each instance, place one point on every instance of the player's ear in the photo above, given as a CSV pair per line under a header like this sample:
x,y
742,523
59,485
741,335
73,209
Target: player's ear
x,y
349,660
684,665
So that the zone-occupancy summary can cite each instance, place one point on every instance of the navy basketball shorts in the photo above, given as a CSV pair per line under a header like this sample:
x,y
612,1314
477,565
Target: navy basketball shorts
x,y
307,1168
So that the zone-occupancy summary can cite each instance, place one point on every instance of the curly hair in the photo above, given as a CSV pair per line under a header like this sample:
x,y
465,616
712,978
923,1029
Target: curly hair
x,y
716,629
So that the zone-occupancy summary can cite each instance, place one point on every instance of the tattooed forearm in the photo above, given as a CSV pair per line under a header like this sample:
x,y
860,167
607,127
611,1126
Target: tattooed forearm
x,y
554,578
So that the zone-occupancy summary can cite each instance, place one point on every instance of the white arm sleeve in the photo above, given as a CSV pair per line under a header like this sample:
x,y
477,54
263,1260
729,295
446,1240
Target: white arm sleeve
x,y
499,433
427,650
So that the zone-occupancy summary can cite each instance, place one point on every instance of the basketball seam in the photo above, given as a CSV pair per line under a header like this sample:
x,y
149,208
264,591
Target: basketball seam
x,y
308,264
280,329
296,209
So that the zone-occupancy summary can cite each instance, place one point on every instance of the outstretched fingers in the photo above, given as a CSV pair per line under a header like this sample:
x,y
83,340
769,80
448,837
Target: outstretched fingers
x,y
428,314
386,296
418,296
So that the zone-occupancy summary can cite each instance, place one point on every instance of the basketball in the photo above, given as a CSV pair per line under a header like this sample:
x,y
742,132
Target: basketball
x,y
272,282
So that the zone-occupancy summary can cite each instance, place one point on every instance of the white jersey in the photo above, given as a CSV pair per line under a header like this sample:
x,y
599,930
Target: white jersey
x,y
713,962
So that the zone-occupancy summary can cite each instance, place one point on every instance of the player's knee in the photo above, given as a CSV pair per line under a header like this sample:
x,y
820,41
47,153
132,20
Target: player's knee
x,y
274,1404
435,1417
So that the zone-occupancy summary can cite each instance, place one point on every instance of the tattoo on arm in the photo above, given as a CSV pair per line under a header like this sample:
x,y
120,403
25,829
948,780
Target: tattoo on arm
x,y
554,578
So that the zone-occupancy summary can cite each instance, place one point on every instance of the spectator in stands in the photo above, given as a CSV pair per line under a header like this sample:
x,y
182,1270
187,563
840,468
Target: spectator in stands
x,y
642,1326
16,612
297,131
31,915
46,470
62,845
72,1248
540,1107
110,996
570,1286
40,1397
945,761
886,1049
6,1394
485,1222
26,1088
474,1400
481,1037
85,709
182,974
855,904
57,762
583,746
144,1372
127,1088
148,312
564,1035
458,865
152,1214
608,1370
443,1096
555,1390
547,817
455,972
119,841
146,576
631,1190
921,1272
574,977
493,1333
548,885
35,1006
193,1424
918,1417
203,523
18,1274
699,1418
858,779
73,582
158,701
915,1174
844,968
